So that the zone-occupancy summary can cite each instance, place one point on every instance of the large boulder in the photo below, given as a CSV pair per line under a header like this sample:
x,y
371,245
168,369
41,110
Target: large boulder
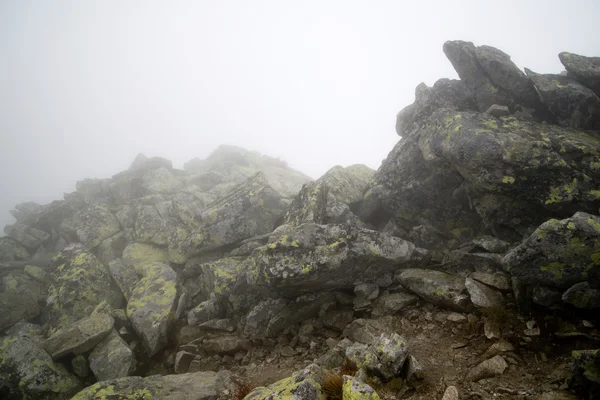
x,y
20,298
91,226
559,254
193,386
491,76
348,184
12,250
26,235
311,257
305,384
111,358
585,69
251,209
502,176
357,390
437,287
152,305
572,104
27,371
79,337
79,283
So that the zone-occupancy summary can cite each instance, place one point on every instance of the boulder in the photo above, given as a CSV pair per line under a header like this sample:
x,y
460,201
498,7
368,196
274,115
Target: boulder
x,y
112,248
91,226
260,315
581,295
305,384
111,358
80,282
338,319
143,163
354,389
451,393
298,310
560,253
29,372
363,330
124,276
586,364
487,369
19,298
192,386
137,255
391,303
226,345
483,296
437,287
206,310
152,304
28,236
384,358
586,70
161,180
491,76
572,104
348,184
12,250
79,337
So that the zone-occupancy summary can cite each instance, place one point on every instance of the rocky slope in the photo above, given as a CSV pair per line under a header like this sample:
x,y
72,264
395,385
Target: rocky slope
x,y
466,267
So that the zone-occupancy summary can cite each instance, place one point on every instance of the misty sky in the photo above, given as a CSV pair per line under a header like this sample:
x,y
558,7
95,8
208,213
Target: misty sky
x,y
87,85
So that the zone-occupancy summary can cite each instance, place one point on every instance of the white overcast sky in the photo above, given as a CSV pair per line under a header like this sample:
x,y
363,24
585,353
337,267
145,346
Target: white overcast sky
x,y
87,85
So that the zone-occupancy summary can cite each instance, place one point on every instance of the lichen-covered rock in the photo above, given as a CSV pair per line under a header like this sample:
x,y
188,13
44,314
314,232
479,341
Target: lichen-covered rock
x,y
348,184
11,250
80,282
251,209
79,337
496,175
305,385
92,225
296,311
161,180
354,389
560,253
219,276
27,371
28,236
581,295
384,358
445,93
137,255
112,248
152,304
19,297
111,358
572,104
124,276
260,315
193,386
586,363
151,226
312,257
143,163
437,287
491,76
585,69
206,310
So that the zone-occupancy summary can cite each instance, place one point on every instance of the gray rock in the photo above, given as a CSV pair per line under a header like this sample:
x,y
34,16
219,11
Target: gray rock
x,y
80,366
222,325
545,296
28,236
124,276
287,351
348,184
497,280
19,297
92,225
304,384
498,348
151,304
182,362
483,296
572,104
206,311
112,358
301,309
11,250
585,69
491,244
557,395
439,288
584,364
355,389
111,248
29,371
338,319
260,315
498,111
389,304
385,357
581,295
413,369
80,337
369,291
226,345
487,369
451,393
363,330
143,163
191,386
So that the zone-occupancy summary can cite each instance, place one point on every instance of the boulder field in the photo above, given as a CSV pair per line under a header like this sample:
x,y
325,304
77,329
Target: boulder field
x,y
461,268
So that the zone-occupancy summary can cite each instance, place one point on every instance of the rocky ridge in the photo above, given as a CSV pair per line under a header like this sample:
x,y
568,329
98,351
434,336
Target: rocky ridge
x,y
404,282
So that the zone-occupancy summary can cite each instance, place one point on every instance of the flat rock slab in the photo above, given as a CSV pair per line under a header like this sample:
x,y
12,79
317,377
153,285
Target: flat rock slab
x,y
487,369
483,296
437,287
81,337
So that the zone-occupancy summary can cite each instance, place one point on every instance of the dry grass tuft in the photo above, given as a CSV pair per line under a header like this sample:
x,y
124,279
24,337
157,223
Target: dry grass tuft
x,y
242,390
348,367
333,386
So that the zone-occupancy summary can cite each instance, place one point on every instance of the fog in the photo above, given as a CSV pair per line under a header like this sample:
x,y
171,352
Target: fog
x,y
87,85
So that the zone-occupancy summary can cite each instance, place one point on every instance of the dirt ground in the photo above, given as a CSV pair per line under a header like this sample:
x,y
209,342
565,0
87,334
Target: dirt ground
x,y
447,350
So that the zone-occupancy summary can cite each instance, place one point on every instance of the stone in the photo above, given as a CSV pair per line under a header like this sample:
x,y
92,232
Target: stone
x,y
305,384
80,366
112,358
28,236
545,296
586,70
363,330
355,389
143,163
226,345
497,280
287,351
183,360
80,337
29,372
585,363
152,302
572,104
222,325
559,253
487,369
385,357
451,393
12,250
80,283
206,311
261,314
112,248
491,244
93,225
497,111
491,329
391,303
296,311
581,295
331,342
367,290
413,369
338,319
348,184
124,276
437,287
502,346
198,386
483,296
557,395
18,299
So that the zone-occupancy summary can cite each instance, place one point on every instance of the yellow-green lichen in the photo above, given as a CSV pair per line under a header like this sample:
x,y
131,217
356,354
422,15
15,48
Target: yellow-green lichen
x,y
508,179
555,268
